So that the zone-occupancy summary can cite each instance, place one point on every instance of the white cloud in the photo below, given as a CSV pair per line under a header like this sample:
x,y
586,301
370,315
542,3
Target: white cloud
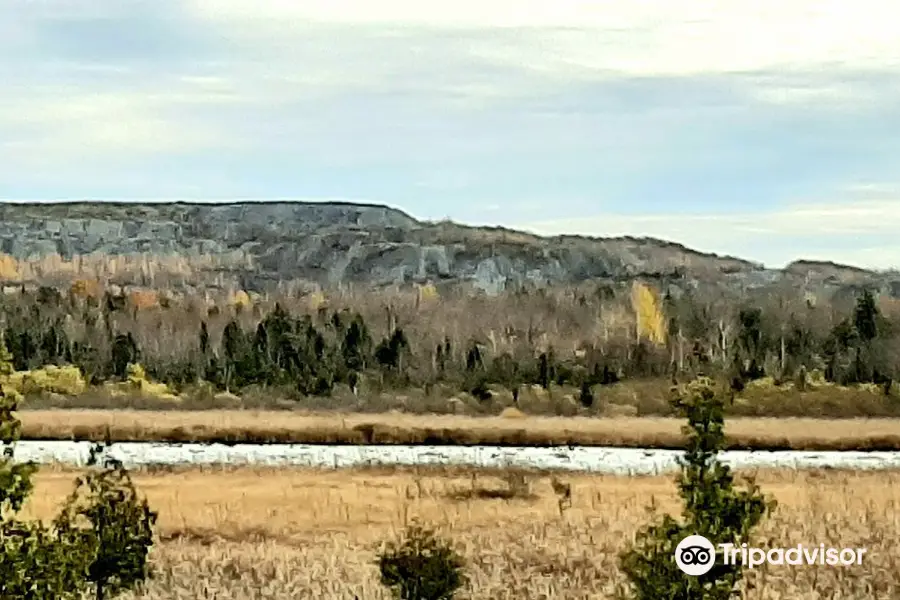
x,y
642,37
775,236
56,122
461,57
806,95
868,217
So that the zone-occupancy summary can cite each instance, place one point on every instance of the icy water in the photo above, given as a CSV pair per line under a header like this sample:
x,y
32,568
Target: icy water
x,y
598,460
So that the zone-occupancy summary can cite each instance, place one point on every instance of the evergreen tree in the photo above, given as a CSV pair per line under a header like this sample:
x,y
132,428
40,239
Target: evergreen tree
x,y
124,352
865,316
474,359
390,351
712,507
204,339
356,345
750,351
234,353
544,371
865,322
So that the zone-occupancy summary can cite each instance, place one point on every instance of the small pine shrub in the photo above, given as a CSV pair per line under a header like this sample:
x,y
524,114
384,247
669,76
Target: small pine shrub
x,y
39,564
480,391
713,508
99,540
119,525
586,396
421,567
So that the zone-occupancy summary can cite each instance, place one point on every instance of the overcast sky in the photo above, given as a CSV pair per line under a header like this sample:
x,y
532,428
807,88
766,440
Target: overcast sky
x,y
766,129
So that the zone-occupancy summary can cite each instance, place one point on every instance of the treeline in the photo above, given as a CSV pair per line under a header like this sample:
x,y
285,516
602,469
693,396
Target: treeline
x,y
579,338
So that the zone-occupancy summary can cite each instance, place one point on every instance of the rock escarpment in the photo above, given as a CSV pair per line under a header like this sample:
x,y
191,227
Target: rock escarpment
x,y
258,243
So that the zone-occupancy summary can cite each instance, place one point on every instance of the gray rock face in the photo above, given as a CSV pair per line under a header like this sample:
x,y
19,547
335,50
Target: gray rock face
x,y
258,243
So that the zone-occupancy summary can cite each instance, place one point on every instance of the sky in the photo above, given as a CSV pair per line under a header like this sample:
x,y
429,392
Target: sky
x,y
768,130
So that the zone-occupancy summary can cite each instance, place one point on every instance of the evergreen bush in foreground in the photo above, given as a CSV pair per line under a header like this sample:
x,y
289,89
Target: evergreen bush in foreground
x,y
713,508
97,544
421,566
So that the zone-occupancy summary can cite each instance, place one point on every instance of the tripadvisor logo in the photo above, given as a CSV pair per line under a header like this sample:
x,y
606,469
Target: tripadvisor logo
x,y
695,555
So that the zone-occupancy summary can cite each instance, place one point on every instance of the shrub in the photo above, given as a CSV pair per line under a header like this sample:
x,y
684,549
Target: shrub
x,y
100,538
713,508
421,567
120,526
136,382
7,388
38,564
586,396
67,380
481,391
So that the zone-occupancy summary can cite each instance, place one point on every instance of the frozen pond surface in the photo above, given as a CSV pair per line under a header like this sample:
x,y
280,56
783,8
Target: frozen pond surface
x,y
599,460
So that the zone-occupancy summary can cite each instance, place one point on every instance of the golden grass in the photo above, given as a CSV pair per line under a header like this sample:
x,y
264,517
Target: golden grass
x,y
295,533
398,428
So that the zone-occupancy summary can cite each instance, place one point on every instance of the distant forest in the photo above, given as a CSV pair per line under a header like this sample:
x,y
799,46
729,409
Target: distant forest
x,y
306,344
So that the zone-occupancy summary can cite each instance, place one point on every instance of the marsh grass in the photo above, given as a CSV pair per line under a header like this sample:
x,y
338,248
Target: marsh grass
x,y
267,533
237,426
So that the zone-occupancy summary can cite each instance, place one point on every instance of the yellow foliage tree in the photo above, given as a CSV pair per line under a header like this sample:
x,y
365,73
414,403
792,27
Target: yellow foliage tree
x,y
143,299
6,372
6,357
137,382
67,380
651,322
317,300
428,293
239,298
84,288
9,268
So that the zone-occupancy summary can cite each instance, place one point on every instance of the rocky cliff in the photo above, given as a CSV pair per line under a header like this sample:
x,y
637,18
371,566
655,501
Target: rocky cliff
x,y
258,243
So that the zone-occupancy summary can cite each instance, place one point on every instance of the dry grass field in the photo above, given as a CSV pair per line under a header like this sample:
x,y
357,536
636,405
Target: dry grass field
x,y
254,533
398,428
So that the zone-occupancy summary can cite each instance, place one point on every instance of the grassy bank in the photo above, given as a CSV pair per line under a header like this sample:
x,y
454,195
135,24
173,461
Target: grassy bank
x,y
635,398
290,533
514,428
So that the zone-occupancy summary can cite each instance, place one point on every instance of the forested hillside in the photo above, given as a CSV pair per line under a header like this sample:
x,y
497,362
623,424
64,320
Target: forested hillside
x,y
583,338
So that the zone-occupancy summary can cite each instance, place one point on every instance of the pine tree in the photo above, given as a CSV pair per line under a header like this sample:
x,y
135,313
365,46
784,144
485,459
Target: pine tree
x,y
712,507
204,339
124,352
865,316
